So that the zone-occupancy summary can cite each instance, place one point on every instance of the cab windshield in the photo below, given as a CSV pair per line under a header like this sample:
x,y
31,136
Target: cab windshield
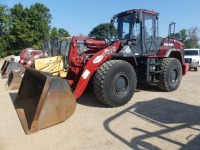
x,y
191,52
128,27
64,47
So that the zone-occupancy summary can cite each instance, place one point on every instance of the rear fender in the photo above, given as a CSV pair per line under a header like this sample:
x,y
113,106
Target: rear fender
x,y
173,53
92,65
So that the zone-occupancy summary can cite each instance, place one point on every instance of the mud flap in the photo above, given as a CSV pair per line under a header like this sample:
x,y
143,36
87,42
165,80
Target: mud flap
x,y
43,100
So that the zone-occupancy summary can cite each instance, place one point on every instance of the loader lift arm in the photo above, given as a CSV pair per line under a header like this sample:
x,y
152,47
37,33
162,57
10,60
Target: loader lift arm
x,y
92,65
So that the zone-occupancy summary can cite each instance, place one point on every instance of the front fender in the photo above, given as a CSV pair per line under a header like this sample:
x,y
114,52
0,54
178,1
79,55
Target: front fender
x,y
93,64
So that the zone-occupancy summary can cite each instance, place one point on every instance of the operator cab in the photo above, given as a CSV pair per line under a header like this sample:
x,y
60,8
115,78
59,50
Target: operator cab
x,y
140,27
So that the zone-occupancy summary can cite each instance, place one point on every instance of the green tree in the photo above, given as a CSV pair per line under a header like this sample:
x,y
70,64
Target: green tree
x,y
183,35
20,32
4,26
103,31
193,37
29,25
39,20
189,37
54,32
63,33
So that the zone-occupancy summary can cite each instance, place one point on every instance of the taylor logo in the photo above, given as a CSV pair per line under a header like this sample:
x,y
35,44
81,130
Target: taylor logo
x,y
106,52
98,59
109,51
168,44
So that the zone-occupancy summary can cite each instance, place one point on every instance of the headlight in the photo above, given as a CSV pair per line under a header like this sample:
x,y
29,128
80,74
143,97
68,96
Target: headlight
x,y
29,62
194,60
36,56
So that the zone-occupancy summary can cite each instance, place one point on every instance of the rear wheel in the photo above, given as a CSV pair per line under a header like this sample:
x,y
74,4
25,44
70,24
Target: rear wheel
x,y
171,74
196,68
115,83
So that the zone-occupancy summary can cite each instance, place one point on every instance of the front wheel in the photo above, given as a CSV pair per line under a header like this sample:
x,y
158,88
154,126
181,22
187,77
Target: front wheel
x,y
115,83
171,74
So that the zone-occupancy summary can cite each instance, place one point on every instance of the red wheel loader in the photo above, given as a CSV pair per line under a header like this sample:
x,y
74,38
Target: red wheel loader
x,y
14,71
114,67
48,60
27,57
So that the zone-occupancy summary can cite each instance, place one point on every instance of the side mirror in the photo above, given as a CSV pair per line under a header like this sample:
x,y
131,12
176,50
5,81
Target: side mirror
x,y
171,31
111,23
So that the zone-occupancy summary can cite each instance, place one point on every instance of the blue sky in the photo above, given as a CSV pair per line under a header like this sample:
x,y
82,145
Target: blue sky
x,y
81,16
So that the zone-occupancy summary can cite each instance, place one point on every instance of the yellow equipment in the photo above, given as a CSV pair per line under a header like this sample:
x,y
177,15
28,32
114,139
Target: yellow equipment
x,y
53,64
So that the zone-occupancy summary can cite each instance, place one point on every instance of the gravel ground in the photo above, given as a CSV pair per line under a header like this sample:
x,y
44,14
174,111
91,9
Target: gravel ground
x,y
152,120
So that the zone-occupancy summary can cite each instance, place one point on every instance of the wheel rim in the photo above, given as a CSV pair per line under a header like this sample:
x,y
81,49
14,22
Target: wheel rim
x,y
174,75
121,84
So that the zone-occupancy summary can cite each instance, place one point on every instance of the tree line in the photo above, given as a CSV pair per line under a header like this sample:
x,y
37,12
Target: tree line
x,y
189,37
22,27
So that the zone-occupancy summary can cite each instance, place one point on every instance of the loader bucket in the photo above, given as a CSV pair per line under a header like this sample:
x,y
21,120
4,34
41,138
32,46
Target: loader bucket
x,y
4,68
14,80
4,65
43,100
9,66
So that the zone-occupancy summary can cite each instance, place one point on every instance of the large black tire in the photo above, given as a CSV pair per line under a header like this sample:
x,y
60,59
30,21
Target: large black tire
x,y
196,68
115,83
171,74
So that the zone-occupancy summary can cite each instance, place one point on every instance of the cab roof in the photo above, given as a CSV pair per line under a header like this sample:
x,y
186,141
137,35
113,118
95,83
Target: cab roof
x,y
132,11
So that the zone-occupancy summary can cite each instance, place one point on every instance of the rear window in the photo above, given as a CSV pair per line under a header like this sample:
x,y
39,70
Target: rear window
x,y
191,52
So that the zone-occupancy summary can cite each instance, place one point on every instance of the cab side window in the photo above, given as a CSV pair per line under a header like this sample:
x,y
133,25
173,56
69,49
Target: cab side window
x,y
126,30
136,31
149,31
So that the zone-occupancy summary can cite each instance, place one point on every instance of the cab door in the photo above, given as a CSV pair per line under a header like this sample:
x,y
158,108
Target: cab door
x,y
149,34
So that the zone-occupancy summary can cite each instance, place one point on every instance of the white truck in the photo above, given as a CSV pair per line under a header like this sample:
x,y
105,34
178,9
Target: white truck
x,y
192,56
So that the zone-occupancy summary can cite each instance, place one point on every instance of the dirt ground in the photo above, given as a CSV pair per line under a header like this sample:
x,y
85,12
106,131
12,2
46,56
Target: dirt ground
x,y
152,120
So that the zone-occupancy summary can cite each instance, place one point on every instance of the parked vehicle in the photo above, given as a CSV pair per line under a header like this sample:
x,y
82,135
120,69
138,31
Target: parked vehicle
x,y
27,57
48,60
114,67
192,56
